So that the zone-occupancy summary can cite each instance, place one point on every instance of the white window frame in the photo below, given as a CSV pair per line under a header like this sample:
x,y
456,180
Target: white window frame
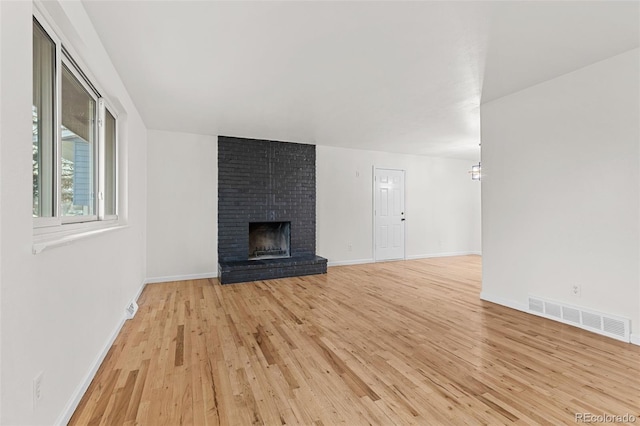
x,y
58,226
98,131
54,220
102,172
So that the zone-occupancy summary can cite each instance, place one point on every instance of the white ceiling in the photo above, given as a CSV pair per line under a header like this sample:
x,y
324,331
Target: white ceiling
x,y
390,76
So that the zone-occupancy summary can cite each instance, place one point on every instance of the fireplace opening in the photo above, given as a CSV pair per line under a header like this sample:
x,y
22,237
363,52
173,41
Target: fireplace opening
x,y
269,240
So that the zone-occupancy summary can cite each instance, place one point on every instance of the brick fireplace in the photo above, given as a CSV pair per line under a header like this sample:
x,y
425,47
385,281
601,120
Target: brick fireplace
x,y
266,210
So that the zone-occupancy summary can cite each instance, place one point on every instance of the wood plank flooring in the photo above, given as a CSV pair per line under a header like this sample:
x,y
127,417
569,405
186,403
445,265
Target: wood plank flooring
x,y
396,343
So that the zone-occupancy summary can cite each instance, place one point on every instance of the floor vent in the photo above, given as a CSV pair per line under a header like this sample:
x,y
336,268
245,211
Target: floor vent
x,y
131,310
598,322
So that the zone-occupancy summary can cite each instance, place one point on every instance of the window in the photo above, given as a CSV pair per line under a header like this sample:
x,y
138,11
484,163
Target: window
x,y
110,169
74,140
44,59
78,147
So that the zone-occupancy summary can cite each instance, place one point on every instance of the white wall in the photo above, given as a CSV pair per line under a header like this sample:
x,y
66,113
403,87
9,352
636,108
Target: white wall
x,y
442,204
560,190
59,308
1,197
182,238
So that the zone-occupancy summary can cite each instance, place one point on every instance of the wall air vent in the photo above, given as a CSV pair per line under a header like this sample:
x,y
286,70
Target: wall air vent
x,y
571,314
613,326
598,322
592,320
536,305
552,309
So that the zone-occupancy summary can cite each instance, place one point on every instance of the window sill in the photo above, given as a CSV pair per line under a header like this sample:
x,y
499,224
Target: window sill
x,y
45,241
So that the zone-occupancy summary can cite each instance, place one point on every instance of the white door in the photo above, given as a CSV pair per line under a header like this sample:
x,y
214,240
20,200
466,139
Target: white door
x,y
389,214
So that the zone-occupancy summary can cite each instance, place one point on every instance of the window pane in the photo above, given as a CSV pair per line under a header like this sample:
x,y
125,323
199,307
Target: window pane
x,y
110,164
78,147
44,54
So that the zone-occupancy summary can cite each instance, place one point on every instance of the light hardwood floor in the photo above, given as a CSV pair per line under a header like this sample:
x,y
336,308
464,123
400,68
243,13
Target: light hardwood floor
x,y
395,343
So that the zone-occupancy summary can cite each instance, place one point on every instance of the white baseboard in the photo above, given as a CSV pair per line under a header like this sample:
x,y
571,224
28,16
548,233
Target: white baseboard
x,y
504,302
446,254
82,388
71,406
154,280
412,257
349,262
140,290
634,338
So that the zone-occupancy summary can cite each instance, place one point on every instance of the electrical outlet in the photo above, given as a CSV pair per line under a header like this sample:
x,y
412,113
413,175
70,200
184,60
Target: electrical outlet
x,y
349,246
37,389
576,290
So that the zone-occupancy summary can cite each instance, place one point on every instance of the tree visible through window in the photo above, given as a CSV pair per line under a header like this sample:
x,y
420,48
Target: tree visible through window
x,y
44,59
